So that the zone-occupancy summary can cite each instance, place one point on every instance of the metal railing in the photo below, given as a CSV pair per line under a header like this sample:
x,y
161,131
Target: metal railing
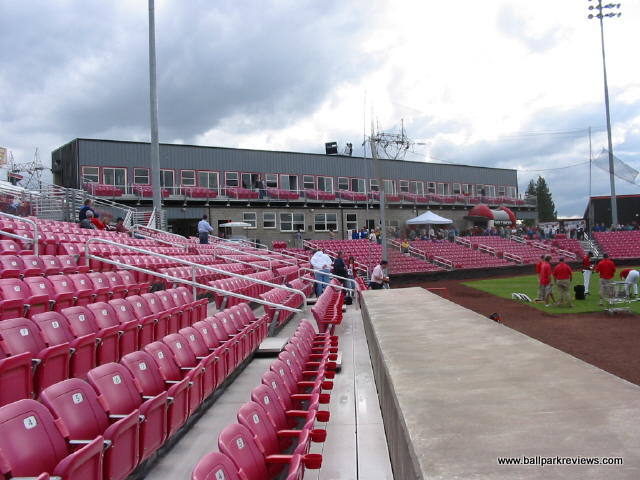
x,y
513,257
193,265
242,262
361,267
33,240
151,233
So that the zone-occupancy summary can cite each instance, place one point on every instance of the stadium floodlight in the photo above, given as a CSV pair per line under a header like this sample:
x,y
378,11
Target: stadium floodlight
x,y
607,11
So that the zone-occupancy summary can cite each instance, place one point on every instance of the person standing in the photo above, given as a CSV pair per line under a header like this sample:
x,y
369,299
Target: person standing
x,y
340,269
544,278
204,229
299,239
587,269
540,287
562,275
321,263
351,273
87,207
372,236
378,277
607,269
631,277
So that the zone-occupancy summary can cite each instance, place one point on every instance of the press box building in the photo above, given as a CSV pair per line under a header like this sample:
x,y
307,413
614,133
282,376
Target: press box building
x,y
315,193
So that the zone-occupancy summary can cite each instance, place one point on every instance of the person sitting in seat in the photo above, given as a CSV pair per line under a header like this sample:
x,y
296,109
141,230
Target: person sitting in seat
x,y
88,207
120,228
404,247
86,221
99,224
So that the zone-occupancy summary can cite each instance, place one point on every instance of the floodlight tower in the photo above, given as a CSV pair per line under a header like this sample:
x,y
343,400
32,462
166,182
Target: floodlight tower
x,y
603,11
394,145
153,107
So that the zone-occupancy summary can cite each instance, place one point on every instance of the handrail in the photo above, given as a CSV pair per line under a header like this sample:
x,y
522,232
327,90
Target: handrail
x,y
517,238
255,248
226,257
486,248
244,252
137,227
438,260
463,241
36,235
196,285
513,257
567,253
160,240
186,262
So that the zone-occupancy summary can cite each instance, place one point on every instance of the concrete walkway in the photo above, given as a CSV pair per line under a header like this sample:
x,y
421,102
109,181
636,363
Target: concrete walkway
x,y
458,391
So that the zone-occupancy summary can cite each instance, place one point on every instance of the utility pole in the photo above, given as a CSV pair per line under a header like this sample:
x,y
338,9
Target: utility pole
x,y
590,201
153,106
602,12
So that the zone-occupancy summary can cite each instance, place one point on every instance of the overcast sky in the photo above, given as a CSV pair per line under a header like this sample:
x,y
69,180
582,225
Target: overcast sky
x,y
476,82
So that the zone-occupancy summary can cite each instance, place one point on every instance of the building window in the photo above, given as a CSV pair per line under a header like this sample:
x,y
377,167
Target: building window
x,y
230,179
268,220
114,176
357,185
90,174
141,176
292,222
373,186
289,182
441,189
325,184
390,187
308,182
343,183
480,190
187,178
431,188
457,190
323,222
167,180
490,190
511,192
251,218
208,180
404,186
502,191
417,188
272,180
351,221
249,180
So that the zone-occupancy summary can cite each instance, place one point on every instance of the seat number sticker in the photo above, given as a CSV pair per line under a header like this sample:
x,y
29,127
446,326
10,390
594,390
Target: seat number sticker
x,y
117,380
77,398
30,422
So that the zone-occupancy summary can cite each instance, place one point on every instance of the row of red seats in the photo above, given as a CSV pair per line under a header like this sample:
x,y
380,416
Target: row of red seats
x,y
328,308
50,346
125,411
243,286
286,298
280,417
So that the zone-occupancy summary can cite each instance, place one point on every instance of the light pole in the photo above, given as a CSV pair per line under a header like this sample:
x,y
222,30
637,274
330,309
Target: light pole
x,y
153,106
602,11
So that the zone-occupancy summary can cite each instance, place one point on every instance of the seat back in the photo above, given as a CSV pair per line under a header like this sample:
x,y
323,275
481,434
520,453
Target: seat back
x,y
29,423
76,404
274,381
254,417
19,335
266,397
195,340
123,309
54,328
104,314
182,352
116,387
215,466
11,266
154,303
163,357
236,442
81,320
145,372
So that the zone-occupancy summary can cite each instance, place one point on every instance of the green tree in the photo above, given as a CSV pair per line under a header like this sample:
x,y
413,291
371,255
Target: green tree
x,y
531,189
546,208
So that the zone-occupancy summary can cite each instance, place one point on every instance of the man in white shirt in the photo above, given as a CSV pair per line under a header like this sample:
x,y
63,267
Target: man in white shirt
x,y
631,277
321,263
378,277
372,236
204,229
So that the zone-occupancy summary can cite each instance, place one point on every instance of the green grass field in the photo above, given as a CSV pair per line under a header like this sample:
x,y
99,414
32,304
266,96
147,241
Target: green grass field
x,y
504,287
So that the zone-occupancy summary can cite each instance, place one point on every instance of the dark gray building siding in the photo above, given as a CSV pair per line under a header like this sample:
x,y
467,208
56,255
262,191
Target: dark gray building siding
x,y
106,153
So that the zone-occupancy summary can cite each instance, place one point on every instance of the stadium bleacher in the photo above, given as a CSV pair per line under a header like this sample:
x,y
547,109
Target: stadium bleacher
x,y
623,244
117,360
459,255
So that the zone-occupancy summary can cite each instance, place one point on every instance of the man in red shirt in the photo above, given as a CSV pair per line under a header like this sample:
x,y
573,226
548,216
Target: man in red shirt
x,y
562,275
607,269
540,290
587,267
544,278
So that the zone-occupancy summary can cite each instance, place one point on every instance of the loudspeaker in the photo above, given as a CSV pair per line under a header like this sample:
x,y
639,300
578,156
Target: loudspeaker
x,y
579,291
331,148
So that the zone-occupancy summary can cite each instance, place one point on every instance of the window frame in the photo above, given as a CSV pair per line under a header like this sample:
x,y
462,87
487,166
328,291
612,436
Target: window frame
x,y
374,186
104,169
413,187
324,180
208,173
432,188
254,222
348,222
96,175
305,182
404,186
226,179
360,182
251,175
502,188
269,180
458,187
340,180
136,176
326,224
275,220
182,178
292,221
388,181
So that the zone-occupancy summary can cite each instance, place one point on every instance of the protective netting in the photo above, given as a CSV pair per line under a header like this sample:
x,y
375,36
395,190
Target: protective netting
x,y
620,168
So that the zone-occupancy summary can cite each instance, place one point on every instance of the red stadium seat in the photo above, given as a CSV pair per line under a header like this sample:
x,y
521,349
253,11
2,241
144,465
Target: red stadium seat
x,y
82,322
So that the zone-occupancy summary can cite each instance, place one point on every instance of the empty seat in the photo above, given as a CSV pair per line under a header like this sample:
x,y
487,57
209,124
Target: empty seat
x,y
169,319
27,422
105,316
55,330
20,335
82,322
116,285
16,381
86,291
52,265
126,315
77,408
17,300
43,286
215,465
186,359
148,379
120,396
33,266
